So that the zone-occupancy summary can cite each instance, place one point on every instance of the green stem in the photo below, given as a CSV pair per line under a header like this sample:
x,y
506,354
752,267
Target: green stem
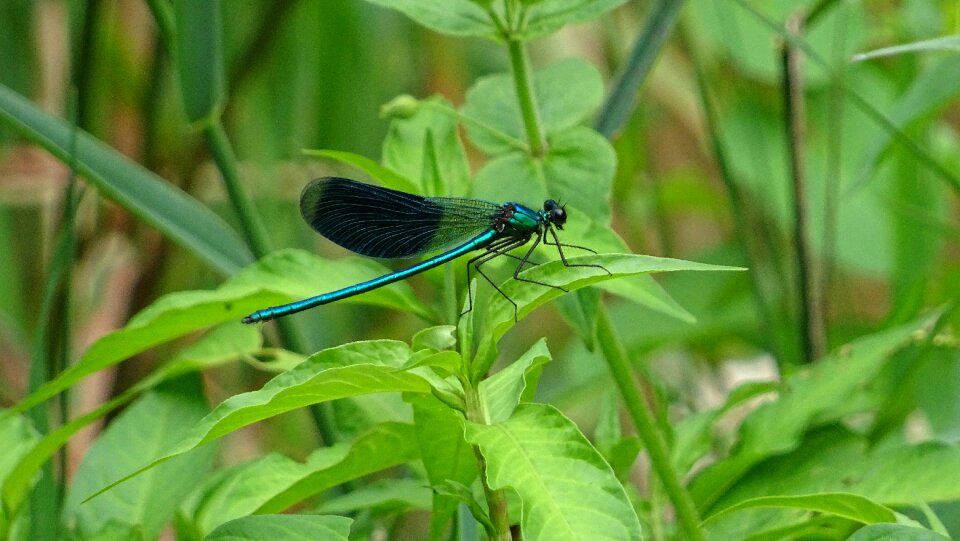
x,y
256,237
811,317
643,420
496,499
523,82
250,223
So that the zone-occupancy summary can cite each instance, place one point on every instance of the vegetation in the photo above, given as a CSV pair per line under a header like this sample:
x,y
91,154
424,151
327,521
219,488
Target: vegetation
x,y
789,171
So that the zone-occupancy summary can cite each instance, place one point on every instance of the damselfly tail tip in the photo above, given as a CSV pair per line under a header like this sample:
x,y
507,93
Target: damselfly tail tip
x,y
248,319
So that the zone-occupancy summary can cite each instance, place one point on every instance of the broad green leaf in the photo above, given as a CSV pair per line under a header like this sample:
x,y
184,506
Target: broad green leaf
x,y
578,168
550,15
19,439
171,211
151,424
568,491
445,454
278,278
905,474
845,505
503,391
834,459
220,345
389,495
810,397
284,527
437,338
499,316
407,151
349,370
566,93
361,413
946,43
895,532
274,482
384,446
587,231
199,59
454,17
693,436
386,176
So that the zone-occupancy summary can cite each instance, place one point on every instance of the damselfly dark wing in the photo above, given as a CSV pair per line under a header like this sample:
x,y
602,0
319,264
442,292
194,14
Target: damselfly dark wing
x,y
380,222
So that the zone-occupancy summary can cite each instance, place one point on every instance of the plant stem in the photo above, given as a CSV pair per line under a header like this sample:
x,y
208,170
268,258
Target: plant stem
x,y
256,237
250,223
496,499
811,316
645,424
523,83
619,104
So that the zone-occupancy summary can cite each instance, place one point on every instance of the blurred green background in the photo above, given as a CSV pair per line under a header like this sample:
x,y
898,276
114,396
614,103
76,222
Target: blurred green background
x,y
313,74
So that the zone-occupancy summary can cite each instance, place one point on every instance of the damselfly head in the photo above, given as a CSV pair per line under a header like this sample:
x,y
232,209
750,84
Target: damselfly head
x,y
556,214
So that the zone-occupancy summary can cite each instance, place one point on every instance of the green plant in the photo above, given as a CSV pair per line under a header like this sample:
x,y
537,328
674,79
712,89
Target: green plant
x,y
442,420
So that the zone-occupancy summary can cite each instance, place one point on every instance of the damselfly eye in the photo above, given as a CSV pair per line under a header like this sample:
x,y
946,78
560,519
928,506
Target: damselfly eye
x,y
558,216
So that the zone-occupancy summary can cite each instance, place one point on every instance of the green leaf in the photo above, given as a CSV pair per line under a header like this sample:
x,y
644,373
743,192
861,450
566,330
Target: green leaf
x,y
19,439
278,278
220,345
384,446
816,395
407,149
386,176
567,489
851,506
446,455
550,15
349,370
453,17
168,209
199,59
390,495
464,495
566,93
151,424
946,43
284,527
578,168
895,532
274,482
503,391
437,338
693,436
499,315
834,459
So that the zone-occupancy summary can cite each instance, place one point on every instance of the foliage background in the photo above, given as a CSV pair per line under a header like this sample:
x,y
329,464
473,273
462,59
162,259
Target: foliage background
x,y
307,74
